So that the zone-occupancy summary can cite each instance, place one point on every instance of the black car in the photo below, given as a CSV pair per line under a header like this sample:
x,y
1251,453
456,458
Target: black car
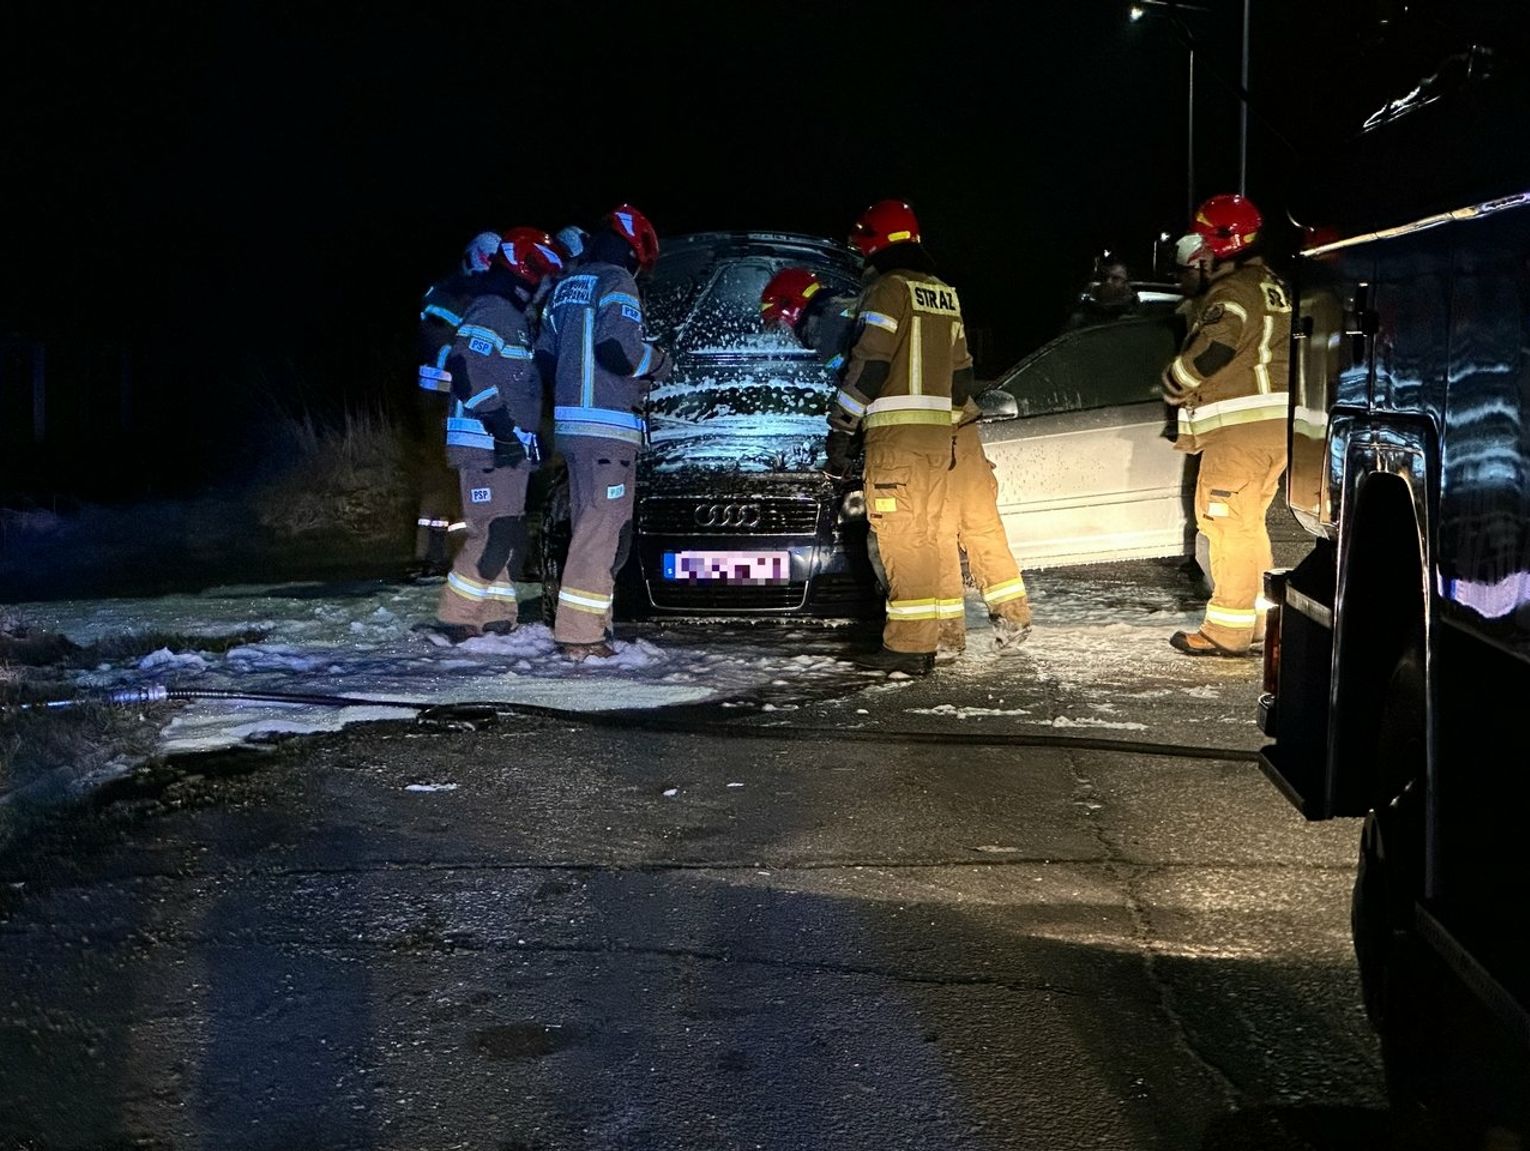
x,y
734,516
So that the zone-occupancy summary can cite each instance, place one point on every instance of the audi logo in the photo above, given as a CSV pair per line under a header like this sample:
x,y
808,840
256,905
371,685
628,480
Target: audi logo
x,y
727,515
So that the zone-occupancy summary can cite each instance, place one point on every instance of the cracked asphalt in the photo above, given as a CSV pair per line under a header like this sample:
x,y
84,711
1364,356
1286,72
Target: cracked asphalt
x,y
537,934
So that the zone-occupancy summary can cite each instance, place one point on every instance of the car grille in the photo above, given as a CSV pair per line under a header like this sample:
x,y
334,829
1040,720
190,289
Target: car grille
x,y
676,596
743,516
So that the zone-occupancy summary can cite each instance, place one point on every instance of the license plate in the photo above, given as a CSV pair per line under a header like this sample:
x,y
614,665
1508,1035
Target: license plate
x,y
747,568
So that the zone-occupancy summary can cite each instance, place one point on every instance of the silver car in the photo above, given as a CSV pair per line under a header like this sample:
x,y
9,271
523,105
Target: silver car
x,y
1075,432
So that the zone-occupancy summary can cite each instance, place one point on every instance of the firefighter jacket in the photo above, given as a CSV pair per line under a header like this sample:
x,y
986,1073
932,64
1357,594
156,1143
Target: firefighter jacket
x,y
591,340
910,323
1232,370
493,380
440,313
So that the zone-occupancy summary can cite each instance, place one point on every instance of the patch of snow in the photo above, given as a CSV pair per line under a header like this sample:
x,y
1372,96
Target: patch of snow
x,y
1089,721
951,709
430,787
166,660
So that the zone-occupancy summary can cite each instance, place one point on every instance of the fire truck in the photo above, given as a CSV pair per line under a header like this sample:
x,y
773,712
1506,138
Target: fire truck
x,y
1397,659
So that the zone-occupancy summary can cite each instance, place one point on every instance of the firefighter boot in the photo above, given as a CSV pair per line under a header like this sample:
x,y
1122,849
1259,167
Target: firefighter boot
x,y
1011,623
953,641
907,662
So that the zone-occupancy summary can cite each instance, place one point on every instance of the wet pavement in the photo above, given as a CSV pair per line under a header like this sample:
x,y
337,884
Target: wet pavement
x,y
540,934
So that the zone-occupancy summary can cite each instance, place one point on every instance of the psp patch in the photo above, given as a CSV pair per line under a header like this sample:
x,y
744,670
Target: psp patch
x,y
480,495
616,491
631,313
1212,314
481,346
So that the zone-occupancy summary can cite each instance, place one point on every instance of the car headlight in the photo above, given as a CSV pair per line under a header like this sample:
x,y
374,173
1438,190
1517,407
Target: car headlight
x,y
853,506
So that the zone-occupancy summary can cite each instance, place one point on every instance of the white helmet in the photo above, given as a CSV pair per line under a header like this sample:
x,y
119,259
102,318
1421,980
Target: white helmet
x,y
480,252
1190,249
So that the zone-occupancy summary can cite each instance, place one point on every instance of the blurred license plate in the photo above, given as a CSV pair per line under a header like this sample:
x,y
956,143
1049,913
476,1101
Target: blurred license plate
x,y
751,568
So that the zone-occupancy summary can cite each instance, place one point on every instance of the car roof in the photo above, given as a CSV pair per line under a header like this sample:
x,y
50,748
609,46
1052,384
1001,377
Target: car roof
x,y
764,242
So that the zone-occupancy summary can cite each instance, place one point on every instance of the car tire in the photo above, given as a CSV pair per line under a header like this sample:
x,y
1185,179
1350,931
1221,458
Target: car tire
x,y
1440,1051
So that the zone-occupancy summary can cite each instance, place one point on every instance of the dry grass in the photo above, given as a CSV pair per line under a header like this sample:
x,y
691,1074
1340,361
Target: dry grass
x,y
350,478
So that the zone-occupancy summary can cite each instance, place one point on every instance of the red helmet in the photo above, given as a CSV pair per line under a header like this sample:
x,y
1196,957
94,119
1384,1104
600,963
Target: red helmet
x,y
1229,223
528,252
632,226
786,296
885,223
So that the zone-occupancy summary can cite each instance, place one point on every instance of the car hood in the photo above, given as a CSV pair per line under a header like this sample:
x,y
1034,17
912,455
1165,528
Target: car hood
x,y
761,418
739,444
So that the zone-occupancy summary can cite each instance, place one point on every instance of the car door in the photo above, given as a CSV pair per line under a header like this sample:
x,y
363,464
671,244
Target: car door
x,y
1085,473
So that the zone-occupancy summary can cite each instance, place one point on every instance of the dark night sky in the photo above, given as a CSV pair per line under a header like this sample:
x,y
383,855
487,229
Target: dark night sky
x,y
287,159
263,190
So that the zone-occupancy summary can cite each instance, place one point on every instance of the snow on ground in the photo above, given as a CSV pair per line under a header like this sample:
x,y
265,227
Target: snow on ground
x,y
359,642
1097,659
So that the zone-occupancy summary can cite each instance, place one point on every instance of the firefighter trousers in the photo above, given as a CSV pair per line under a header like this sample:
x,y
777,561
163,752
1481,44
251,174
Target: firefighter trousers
x,y
436,483
479,589
602,489
1233,491
972,525
906,495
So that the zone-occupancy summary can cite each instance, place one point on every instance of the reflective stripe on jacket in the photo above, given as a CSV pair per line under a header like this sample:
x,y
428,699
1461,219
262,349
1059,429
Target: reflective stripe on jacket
x,y
912,322
491,353
596,305
1233,368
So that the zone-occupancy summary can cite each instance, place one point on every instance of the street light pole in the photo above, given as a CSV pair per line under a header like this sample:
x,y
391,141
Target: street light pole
x,y
1243,111
1190,142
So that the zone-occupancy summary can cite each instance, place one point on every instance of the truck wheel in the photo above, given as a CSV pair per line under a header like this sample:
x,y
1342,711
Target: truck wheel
x,y
1389,874
1437,1045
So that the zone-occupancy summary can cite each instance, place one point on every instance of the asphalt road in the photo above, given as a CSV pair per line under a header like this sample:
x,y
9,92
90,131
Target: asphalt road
x,y
544,935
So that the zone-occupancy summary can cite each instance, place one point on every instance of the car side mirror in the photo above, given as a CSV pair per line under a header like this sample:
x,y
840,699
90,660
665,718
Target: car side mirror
x,y
997,405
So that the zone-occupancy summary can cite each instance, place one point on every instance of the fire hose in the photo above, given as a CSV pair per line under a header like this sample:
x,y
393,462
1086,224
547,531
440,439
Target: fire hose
x,y
656,722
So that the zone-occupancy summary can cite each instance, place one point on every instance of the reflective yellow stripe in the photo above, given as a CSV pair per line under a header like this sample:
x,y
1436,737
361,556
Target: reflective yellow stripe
x,y
1230,617
1229,413
1236,309
913,608
586,601
950,609
916,358
1182,374
472,589
1004,592
909,410
1266,354
887,419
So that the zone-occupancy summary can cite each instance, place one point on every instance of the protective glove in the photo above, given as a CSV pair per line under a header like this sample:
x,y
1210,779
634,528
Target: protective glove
x,y
508,449
837,446
509,453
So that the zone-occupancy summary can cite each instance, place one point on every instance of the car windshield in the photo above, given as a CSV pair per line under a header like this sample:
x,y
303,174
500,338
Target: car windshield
x,y
739,393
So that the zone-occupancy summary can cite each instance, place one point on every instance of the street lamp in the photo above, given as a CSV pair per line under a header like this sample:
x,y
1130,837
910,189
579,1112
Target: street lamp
x,y
1169,9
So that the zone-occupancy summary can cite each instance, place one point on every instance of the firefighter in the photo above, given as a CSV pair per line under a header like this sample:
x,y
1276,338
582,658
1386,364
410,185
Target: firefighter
x,y
440,313
1229,386
794,299
490,435
591,345
908,370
